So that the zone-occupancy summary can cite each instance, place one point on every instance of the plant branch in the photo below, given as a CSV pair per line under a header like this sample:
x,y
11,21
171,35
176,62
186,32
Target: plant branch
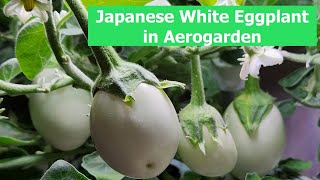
x,y
106,56
197,88
63,59
64,19
301,58
19,89
30,160
209,49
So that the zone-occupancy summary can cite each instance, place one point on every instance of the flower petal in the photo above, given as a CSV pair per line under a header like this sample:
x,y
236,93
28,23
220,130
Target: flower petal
x,y
11,7
23,15
271,57
43,1
245,68
42,14
43,6
56,17
255,66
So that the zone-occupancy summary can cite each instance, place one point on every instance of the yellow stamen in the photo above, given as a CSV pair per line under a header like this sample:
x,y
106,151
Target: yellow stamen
x,y
29,4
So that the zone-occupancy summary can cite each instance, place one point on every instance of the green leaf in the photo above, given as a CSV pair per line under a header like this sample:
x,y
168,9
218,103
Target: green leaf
x,y
9,69
269,178
12,135
71,30
98,168
207,2
287,107
32,48
166,69
295,78
270,2
303,86
252,176
143,54
23,161
211,86
295,165
63,170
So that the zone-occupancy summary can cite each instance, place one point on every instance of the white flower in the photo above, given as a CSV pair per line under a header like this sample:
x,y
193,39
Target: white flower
x,y
158,3
226,3
25,9
58,16
259,56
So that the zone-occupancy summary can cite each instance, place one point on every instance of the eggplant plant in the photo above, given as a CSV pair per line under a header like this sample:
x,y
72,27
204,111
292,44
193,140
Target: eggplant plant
x,y
71,111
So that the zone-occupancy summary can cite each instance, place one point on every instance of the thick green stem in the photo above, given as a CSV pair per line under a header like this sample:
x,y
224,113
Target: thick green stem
x,y
31,160
197,93
18,89
106,56
63,59
252,84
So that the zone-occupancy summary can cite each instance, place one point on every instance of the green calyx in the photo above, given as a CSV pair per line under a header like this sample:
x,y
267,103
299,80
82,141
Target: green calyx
x,y
252,105
194,119
123,79
120,77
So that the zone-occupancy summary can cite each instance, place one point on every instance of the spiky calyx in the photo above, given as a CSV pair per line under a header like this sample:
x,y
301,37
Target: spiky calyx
x,y
194,119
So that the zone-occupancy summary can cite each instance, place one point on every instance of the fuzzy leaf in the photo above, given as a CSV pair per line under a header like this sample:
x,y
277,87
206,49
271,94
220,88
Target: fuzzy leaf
x,y
252,176
304,86
98,168
32,48
295,78
12,135
295,165
63,170
143,54
23,161
71,30
287,107
9,69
